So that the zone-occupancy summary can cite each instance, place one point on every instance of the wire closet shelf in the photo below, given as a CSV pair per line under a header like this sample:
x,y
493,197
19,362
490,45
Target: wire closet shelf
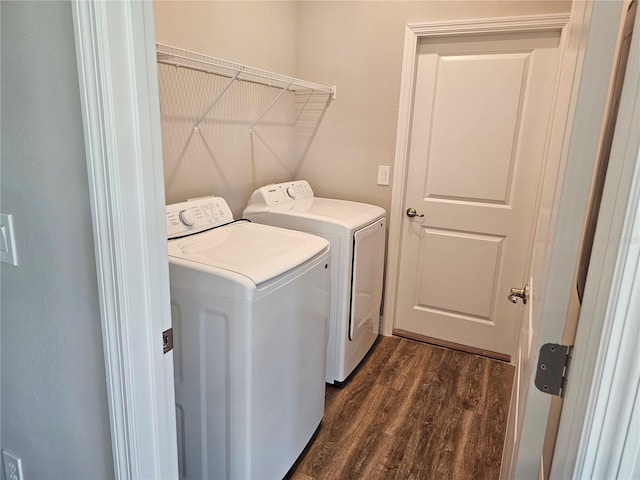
x,y
178,57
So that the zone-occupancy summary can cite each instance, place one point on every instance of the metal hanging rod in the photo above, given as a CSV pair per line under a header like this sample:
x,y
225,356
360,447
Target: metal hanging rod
x,y
178,57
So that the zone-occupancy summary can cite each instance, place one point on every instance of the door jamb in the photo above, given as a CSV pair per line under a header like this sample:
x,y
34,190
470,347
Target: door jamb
x,y
601,410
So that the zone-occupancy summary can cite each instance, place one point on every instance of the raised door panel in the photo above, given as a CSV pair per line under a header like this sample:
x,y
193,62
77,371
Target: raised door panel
x,y
473,138
459,273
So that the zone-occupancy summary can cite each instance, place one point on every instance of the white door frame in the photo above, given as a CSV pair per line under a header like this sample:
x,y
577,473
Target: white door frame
x,y
413,34
601,414
115,50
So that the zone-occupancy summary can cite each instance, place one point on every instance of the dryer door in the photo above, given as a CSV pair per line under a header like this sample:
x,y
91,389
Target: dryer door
x,y
366,285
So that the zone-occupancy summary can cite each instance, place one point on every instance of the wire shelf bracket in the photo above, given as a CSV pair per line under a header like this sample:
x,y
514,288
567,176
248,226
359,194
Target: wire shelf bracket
x,y
214,102
181,58
275,100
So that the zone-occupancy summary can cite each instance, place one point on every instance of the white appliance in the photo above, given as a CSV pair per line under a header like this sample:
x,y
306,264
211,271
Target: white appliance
x,y
250,309
357,233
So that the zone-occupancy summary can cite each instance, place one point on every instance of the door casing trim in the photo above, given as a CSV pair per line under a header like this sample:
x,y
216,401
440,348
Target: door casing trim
x,y
115,51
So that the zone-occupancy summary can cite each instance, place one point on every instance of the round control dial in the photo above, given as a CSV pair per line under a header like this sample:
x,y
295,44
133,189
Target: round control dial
x,y
292,192
186,218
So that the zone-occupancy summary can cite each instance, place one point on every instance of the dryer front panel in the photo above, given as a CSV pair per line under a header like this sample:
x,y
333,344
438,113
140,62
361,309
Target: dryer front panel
x,y
366,286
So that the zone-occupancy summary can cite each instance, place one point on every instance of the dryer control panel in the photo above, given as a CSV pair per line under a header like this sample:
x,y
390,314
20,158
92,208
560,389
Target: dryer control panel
x,y
196,215
279,193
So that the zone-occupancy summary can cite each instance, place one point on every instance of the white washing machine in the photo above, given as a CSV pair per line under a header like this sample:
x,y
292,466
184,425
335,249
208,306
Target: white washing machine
x,y
356,232
250,309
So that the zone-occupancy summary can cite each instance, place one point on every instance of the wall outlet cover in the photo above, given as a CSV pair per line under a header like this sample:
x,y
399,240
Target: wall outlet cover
x,y
7,240
12,466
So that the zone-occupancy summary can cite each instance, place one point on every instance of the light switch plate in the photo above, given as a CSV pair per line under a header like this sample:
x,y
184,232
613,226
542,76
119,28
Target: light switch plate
x,y
7,240
383,174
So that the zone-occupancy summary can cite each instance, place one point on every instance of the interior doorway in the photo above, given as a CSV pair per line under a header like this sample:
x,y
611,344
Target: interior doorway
x,y
481,114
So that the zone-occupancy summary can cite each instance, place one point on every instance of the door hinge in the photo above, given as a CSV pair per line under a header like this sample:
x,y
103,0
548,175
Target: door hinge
x,y
167,340
553,368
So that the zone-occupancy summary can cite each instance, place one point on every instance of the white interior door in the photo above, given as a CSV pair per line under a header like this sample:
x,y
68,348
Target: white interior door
x,y
480,118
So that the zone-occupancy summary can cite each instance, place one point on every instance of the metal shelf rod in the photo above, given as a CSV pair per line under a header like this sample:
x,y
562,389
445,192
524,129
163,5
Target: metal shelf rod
x,y
211,72
167,54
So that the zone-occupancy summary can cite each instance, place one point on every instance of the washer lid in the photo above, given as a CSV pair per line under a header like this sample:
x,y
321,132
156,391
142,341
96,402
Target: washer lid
x,y
347,215
259,252
342,210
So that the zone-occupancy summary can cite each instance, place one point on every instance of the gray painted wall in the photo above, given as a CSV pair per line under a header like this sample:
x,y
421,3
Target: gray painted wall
x,y
53,391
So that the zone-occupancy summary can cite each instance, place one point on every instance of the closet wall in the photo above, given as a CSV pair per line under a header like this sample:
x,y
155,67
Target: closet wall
x,y
262,34
223,157
355,45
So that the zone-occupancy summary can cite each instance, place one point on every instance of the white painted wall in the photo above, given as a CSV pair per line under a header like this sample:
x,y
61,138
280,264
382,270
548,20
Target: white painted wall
x,y
54,404
262,34
222,158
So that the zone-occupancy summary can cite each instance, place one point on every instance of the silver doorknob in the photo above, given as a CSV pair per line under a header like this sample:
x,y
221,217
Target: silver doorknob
x,y
519,293
411,212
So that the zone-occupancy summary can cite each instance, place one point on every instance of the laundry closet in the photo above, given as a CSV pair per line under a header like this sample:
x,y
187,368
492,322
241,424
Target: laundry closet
x,y
322,105
335,145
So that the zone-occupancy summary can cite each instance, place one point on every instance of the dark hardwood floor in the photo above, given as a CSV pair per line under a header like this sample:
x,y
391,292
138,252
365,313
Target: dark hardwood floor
x,y
413,411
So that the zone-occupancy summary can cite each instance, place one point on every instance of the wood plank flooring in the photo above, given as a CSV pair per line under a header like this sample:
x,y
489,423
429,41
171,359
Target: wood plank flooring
x,y
413,411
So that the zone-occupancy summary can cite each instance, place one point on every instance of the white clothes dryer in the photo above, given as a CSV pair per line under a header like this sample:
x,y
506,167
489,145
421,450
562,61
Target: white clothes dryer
x,y
356,232
250,309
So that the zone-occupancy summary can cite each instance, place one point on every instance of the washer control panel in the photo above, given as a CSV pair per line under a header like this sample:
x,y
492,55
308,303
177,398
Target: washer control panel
x,y
279,193
196,215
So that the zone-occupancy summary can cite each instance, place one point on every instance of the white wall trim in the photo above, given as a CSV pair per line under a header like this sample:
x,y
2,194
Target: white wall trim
x,y
598,430
411,39
119,96
526,23
413,33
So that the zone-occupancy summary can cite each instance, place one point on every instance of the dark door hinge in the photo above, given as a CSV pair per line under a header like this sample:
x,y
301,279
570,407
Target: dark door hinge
x,y
553,367
167,340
